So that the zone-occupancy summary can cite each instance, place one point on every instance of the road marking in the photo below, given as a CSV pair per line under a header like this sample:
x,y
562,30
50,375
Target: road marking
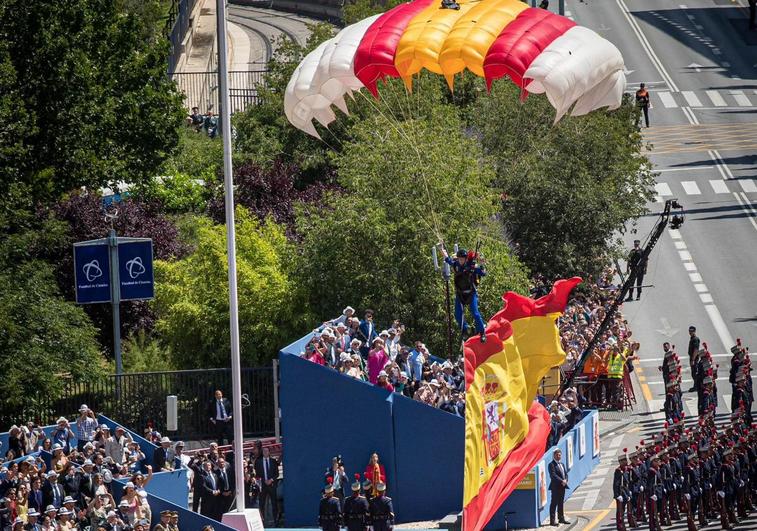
x,y
701,288
647,47
695,277
684,168
748,185
680,245
727,400
719,186
705,297
685,255
716,98
747,208
691,98
741,98
690,187
601,516
719,324
591,499
690,115
663,189
667,99
675,234
690,266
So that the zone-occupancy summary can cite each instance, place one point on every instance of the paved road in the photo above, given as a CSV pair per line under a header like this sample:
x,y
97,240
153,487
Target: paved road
x,y
699,62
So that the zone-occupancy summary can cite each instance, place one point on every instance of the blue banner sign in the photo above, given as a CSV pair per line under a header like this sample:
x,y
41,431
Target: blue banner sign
x,y
135,269
92,272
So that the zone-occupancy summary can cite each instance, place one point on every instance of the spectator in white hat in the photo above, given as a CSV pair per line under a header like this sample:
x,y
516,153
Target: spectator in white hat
x,y
162,458
383,382
347,313
342,340
115,444
86,426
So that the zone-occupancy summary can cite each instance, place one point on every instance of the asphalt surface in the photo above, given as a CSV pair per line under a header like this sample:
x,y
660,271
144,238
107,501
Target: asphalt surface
x,y
698,60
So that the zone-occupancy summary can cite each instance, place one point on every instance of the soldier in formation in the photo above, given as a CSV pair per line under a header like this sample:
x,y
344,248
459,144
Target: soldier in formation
x,y
359,512
695,475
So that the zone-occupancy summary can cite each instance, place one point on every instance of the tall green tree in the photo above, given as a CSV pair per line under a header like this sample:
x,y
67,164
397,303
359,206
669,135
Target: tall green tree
x,y
95,91
411,184
192,297
568,189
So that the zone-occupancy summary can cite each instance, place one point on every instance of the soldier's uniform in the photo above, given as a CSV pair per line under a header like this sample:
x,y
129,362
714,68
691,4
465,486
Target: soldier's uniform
x,y
356,509
621,491
726,484
329,512
382,511
692,492
174,522
655,491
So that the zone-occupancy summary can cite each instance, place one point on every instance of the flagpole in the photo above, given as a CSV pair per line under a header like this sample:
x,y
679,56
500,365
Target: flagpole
x,y
228,185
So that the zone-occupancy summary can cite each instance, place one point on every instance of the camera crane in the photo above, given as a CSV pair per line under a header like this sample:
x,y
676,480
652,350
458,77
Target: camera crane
x,y
667,216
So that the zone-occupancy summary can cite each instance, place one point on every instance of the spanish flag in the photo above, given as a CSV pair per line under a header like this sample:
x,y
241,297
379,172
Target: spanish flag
x,y
505,430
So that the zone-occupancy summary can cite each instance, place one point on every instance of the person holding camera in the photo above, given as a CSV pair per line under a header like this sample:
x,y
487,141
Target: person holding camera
x,y
86,426
338,478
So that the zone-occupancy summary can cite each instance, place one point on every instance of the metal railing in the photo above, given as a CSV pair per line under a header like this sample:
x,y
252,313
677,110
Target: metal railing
x,y
138,400
201,89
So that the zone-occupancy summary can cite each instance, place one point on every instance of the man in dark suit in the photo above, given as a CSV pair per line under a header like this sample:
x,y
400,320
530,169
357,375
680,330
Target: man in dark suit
x,y
267,471
53,491
210,492
558,482
36,498
219,412
225,476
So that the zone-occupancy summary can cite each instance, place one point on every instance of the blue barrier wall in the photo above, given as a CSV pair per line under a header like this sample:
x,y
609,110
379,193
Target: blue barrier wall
x,y
528,507
429,447
325,414
170,486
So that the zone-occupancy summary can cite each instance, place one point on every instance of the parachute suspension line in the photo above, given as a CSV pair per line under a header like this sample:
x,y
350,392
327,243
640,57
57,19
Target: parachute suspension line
x,y
398,126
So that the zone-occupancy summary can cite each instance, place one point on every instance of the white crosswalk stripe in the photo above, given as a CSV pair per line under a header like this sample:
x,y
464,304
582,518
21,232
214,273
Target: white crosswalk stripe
x,y
716,99
719,186
741,98
667,99
663,189
690,187
748,185
691,98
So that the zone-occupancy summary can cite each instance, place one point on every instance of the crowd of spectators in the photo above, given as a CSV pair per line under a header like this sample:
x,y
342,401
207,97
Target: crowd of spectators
x,y
75,491
600,382
359,349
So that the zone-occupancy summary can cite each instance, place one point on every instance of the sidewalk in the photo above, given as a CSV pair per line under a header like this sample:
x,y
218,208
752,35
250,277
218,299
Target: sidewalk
x,y
199,49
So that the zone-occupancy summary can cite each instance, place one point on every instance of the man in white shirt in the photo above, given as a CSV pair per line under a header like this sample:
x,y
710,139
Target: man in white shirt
x,y
219,411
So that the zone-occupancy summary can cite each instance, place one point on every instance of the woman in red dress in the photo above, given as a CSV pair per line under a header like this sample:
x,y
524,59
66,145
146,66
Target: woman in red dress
x,y
375,472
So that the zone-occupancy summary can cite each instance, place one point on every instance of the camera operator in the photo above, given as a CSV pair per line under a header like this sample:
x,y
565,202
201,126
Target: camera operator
x,y
338,476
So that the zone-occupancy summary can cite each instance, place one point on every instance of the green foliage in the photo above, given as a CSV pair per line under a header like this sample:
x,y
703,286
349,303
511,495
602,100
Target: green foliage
x,y
177,194
192,296
358,10
142,353
94,91
411,183
570,188
197,155
41,337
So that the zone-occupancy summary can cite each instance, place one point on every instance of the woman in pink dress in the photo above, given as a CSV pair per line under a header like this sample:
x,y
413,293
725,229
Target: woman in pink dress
x,y
377,359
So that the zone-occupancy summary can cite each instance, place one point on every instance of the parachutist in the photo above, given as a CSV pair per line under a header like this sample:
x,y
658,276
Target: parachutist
x,y
467,277
450,4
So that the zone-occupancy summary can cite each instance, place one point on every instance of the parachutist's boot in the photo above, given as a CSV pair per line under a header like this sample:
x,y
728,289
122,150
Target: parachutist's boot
x,y
450,4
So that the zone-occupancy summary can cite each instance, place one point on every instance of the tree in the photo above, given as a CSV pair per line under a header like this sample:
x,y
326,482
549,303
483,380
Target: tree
x,y
269,190
192,299
410,184
568,189
94,90
84,219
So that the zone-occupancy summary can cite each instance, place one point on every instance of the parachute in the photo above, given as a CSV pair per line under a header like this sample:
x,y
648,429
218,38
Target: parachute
x,y
542,53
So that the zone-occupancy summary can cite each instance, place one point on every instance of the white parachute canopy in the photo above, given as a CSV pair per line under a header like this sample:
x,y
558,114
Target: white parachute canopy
x,y
323,78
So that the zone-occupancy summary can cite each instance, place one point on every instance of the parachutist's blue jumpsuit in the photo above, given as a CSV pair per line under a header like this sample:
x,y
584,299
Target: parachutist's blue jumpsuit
x,y
466,279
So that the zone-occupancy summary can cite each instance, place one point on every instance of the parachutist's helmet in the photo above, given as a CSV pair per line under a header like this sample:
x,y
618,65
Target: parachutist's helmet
x,y
462,253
